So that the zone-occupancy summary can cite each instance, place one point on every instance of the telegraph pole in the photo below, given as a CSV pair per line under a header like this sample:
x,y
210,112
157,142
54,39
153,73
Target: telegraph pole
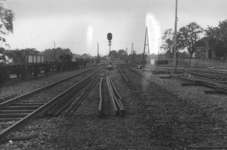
x,y
97,49
55,53
175,41
132,51
127,56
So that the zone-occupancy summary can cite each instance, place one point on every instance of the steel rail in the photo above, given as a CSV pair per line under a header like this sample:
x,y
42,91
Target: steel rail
x,y
119,106
126,79
82,96
115,90
78,88
70,93
116,94
205,82
211,73
133,70
100,108
56,109
35,113
111,96
13,100
204,147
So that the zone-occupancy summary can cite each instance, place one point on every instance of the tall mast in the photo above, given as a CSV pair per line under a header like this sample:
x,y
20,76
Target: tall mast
x,y
97,49
175,40
146,43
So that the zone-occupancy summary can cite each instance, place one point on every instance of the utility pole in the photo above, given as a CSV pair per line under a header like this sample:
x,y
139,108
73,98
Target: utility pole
x,y
132,52
97,49
98,58
127,59
175,41
55,53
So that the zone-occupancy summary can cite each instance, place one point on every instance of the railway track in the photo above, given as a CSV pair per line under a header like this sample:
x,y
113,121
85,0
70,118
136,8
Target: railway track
x,y
218,86
172,123
206,77
65,96
15,86
210,73
138,85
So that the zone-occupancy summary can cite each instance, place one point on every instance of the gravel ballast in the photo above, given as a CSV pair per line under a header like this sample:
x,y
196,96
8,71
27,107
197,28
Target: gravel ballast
x,y
188,118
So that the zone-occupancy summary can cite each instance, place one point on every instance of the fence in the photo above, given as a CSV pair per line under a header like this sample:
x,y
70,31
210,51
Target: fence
x,y
203,62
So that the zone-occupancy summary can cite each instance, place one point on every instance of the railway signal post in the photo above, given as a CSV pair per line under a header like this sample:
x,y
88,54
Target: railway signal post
x,y
109,37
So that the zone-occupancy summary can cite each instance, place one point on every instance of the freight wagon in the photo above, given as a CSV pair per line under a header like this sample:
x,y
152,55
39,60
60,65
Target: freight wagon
x,y
33,63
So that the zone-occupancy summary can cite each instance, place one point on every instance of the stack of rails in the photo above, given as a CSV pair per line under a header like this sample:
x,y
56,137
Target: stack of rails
x,y
111,96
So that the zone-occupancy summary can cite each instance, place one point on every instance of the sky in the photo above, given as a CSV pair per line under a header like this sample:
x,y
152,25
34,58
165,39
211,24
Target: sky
x,y
80,24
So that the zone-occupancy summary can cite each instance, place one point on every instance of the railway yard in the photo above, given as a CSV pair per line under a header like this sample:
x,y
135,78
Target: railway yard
x,y
116,108
113,75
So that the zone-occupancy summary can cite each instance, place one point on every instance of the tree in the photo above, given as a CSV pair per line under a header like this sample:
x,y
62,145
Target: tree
x,y
122,54
6,24
114,54
188,35
223,31
54,53
168,44
168,40
2,49
218,38
65,57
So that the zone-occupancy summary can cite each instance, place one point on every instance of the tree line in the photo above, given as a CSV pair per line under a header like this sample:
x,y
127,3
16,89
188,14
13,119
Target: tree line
x,y
60,54
50,55
189,35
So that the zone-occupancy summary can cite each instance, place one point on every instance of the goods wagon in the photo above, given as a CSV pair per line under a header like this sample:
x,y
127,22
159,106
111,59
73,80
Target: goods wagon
x,y
34,58
23,64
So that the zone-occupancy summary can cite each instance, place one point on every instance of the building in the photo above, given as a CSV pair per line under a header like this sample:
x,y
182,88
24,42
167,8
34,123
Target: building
x,y
203,50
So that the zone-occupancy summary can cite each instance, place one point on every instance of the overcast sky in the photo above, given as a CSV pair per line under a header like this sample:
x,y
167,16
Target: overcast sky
x,y
81,24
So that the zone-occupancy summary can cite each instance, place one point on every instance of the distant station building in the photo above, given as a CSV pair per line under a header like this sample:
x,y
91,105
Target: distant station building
x,y
203,49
